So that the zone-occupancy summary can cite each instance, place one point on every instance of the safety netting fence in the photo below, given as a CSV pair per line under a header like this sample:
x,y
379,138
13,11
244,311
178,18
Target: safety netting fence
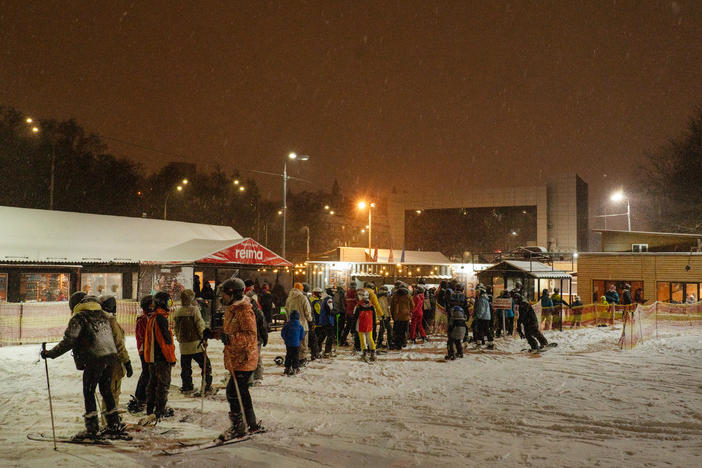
x,y
647,322
37,322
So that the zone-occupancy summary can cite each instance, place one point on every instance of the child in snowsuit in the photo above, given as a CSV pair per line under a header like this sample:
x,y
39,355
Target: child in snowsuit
x,y
455,332
364,315
122,364
418,315
293,334
89,335
159,353
528,324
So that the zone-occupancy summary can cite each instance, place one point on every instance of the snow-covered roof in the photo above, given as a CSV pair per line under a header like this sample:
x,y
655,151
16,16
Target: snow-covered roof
x,y
29,235
533,269
414,257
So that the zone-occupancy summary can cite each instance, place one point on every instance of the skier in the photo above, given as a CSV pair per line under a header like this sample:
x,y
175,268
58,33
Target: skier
x,y
190,331
401,306
528,324
455,332
122,365
483,317
89,335
293,334
136,404
417,316
159,353
240,357
365,317
326,322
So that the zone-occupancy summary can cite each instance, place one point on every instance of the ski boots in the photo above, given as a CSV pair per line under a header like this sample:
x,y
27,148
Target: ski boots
x,y
135,406
364,356
236,430
92,428
372,355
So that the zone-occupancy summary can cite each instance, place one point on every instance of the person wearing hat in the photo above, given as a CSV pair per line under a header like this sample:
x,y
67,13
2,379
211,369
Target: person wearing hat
x,y
385,319
316,331
326,328
190,331
239,336
298,301
350,326
159,353
483,316
401,306
136,404
365,320
528,324
577,307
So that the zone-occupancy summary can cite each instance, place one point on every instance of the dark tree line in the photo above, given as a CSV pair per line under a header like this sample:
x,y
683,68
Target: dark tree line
x,y
671,181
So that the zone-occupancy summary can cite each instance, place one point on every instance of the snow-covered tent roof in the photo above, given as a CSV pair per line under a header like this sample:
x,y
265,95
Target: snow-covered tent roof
x,y
533,269
246,251
29,235
414,257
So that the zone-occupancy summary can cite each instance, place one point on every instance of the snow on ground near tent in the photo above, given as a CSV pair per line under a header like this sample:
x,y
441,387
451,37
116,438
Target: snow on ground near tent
x,y
584,403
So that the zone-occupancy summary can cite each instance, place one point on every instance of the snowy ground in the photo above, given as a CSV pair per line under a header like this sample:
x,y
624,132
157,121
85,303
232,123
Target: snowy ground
x,y
585,403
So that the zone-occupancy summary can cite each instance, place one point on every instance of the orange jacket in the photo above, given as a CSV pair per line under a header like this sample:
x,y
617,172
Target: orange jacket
x,y
241,354
158,335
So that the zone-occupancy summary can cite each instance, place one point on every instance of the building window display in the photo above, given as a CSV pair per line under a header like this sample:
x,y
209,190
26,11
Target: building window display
x,y
44,287
102,284
600,288
3,287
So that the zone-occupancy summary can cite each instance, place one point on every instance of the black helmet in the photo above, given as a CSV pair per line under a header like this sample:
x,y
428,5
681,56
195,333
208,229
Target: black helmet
x,y
146,302
248,282
161,300
109,304
231,285
305,288
75,299
517,298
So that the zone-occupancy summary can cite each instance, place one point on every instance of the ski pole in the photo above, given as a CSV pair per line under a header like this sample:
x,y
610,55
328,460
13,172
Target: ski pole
x,y
204,378
48,386
241,404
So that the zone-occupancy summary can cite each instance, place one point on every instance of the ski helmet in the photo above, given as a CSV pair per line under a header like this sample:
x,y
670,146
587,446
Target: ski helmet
x,y
162,300
109,304
146,302
75,299
234,288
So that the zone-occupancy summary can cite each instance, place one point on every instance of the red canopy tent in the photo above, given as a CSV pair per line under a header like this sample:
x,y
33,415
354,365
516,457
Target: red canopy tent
x,y
247,251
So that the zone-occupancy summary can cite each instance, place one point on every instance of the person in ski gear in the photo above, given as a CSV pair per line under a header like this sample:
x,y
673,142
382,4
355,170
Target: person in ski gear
x,y
385,319
159,353
546,310
122,365
612,295
326,322
365,317
240,356
350,326
315,330
558,303
298,301
373,298
261,331
417,315
136,404
89,336
293,334
455,332
190,330
484,317
401,306
528,324
577,307
339,311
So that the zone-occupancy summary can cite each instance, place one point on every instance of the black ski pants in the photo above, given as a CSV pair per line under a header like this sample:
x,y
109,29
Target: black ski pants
x,y
98,374
242,380
292,357
455,347
313,341
349,327
186,371
340,322
535,337
484,329
328,333
159,384
400,333
140,392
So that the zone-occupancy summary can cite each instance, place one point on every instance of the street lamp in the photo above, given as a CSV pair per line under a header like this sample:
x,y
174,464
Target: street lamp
x,y
619,196
179,188
292,157
361,206
35,130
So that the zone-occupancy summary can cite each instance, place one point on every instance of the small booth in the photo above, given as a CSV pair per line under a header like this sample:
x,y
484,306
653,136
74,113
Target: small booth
x,y
534,277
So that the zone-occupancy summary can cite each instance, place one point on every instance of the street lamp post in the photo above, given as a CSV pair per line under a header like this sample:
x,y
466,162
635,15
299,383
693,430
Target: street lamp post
x,y
619,196
291,156
307,228
179,188
362,205
35,130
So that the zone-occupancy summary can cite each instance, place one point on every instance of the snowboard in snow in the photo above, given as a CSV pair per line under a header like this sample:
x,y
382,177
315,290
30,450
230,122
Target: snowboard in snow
x,y
67,439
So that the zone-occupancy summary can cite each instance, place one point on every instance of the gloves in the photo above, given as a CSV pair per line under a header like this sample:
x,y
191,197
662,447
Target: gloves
x,y
207,334
225,339
128,366
42,353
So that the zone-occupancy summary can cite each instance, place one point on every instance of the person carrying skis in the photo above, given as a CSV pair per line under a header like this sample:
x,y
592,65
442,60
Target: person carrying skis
x,y
326,322
136,404
293,335
455,332
190,330
418,315
122,364
159,353
528,324
89,336
240,357
365,317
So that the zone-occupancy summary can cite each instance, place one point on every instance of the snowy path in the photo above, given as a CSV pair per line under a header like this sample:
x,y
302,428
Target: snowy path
x,y
584,403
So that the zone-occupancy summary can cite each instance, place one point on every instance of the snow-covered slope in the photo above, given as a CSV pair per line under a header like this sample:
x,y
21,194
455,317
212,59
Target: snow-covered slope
x,y
584,403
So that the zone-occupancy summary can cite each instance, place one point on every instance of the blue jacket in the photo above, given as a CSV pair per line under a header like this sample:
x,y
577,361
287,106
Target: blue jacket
x,y
546,302
292,331
482,308
326,316
612,297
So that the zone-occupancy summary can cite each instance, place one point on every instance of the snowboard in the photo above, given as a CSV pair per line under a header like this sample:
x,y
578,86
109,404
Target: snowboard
x,y
41,437
540,351
209,444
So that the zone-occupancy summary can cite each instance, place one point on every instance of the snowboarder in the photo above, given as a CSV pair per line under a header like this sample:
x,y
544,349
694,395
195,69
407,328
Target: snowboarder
x,y
365,317
455,332
293,334
159,353
89,335
240,357
190,331
528,324
122,365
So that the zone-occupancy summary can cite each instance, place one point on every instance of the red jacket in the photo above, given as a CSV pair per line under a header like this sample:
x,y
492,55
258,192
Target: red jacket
x,y
140,331
351,301
366,317
158,339
418,310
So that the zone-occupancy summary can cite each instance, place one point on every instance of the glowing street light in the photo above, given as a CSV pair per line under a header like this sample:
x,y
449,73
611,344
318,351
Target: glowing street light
x,y
292,157
178,188
620,196
361,206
